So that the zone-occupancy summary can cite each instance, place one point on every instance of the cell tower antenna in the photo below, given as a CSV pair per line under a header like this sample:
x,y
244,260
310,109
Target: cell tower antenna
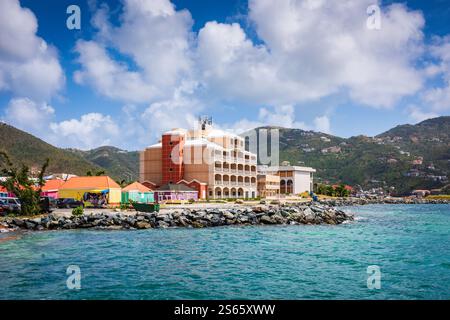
x,y
205,121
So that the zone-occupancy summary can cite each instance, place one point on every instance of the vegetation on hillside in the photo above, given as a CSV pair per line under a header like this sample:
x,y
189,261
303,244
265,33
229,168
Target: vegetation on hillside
x,y
22,147
32,151
402,159
119,164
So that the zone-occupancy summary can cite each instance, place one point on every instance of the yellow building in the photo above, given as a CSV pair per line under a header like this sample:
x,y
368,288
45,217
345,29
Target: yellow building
x,y
268,185
77,187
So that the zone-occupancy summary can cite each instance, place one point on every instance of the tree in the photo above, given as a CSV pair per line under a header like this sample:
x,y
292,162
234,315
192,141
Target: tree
x,y
96,173
321,189
329,191
19,182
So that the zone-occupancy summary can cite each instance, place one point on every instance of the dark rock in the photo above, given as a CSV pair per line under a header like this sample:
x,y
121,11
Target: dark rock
x,y
18,222
162,224
143,225
266,220
29,225
228,215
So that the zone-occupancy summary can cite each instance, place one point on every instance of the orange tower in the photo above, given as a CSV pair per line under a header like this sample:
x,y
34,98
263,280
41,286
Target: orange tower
x,y
172,156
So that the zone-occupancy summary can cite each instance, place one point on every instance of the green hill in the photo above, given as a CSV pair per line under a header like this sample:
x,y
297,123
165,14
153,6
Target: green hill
x,y
406,157
119,163
25,148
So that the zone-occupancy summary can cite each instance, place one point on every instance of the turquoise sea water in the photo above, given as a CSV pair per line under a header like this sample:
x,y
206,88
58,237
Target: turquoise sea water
x,y
410,244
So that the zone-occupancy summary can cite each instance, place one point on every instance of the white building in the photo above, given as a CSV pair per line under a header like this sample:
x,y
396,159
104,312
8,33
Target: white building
x,y
293,179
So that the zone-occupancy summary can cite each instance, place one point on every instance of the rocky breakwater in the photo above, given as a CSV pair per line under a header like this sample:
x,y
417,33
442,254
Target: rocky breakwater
x,y
381,200
293,214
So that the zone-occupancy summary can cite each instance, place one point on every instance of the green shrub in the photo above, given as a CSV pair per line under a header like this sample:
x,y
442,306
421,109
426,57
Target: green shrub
x,y
78,211
18,181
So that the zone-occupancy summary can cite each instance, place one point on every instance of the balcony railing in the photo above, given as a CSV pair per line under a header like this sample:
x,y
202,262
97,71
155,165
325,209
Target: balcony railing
x,y
236,183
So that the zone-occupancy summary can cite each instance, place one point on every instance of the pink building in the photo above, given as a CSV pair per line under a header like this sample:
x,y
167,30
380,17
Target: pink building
x,y
51,188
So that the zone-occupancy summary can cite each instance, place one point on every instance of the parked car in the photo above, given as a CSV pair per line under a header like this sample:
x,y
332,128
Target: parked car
x,y
69,203
3,208
9,204
47,204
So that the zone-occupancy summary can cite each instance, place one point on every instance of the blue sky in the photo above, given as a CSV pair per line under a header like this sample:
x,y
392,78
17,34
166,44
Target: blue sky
x,y
137,67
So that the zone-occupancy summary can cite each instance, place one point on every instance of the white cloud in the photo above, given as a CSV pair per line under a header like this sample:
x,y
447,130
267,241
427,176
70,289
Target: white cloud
x,y
418,115
28,66
28,115
157,39
134,127
438,98
311,50
91,130
308,50
177,112
281,116
109,77
322,124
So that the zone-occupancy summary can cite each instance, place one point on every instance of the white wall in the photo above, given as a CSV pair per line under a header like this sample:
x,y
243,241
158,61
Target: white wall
x,y
302,182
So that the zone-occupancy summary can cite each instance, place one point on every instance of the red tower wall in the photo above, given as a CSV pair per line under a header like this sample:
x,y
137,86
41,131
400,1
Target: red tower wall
x,y
172,158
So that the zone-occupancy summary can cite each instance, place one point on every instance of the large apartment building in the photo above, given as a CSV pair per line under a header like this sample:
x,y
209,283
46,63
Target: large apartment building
x,y
213,162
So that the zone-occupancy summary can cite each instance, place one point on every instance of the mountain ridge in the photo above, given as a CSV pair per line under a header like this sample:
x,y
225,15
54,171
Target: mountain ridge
x,y
404,157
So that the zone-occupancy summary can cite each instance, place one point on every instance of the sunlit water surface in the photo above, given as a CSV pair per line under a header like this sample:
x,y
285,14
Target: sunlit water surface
x,y
410,244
